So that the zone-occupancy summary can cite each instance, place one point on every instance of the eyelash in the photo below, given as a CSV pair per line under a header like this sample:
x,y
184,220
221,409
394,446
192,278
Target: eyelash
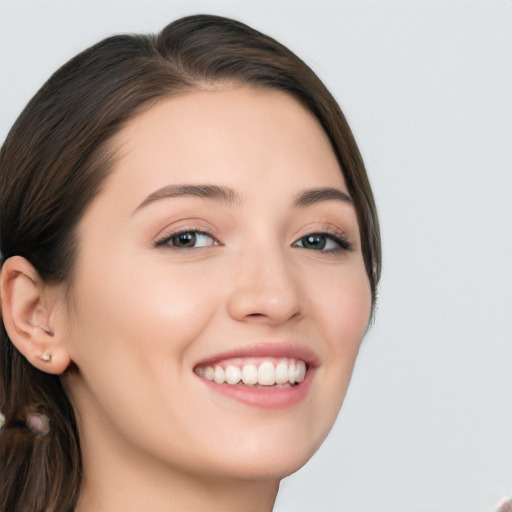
x,y
167,239
340,240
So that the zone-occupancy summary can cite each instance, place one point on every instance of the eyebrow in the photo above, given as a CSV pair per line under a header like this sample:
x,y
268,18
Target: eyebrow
x,y
229,196
213,192
318,195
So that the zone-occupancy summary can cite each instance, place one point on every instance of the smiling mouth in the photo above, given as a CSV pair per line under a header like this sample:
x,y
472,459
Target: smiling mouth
x,y
256,372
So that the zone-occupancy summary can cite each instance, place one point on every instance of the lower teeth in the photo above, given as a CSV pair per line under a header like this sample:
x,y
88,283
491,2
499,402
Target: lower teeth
x,y
261,386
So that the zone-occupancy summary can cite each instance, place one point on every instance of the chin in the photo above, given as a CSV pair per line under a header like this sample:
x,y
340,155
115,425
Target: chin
x,y
276,468
266,459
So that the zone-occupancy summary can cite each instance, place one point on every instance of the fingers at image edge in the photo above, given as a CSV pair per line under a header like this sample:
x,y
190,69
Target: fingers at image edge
x,y
505,505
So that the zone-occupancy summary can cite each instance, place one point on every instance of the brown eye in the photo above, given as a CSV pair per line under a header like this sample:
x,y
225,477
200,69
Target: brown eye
x,y
184,240
187,240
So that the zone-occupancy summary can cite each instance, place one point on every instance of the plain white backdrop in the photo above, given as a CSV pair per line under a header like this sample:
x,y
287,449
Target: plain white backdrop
x,y
427,89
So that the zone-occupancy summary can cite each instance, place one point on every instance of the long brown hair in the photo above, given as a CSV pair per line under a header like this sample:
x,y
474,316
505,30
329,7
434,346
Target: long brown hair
x,y
54,162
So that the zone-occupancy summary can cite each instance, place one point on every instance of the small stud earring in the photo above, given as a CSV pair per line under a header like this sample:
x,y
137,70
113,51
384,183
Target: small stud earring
x,y
46,357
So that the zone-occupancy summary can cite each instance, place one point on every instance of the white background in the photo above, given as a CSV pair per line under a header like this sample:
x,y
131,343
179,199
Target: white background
x,y
427,89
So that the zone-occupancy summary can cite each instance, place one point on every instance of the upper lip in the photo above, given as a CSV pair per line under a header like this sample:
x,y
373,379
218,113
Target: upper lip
x,y
267,349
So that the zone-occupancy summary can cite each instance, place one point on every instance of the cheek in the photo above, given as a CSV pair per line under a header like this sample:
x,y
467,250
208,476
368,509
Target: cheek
x,y
133,314
343,308
353,313
344,312
130,337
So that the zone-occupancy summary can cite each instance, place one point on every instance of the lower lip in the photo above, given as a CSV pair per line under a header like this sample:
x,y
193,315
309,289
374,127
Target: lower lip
x,y
265,398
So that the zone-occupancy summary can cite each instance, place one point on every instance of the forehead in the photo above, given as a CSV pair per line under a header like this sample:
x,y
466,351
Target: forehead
x,y
239,137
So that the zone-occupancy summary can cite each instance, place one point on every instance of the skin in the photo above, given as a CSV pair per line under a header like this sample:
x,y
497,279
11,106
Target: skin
x,y
138,317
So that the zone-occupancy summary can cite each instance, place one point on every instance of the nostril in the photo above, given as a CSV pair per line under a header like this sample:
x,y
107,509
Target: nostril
x,y
256,318
269,318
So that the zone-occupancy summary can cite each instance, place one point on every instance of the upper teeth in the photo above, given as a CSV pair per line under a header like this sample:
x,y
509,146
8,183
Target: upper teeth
x,y
266,373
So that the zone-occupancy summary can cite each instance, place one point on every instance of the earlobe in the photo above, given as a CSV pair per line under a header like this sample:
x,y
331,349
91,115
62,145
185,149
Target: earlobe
x,y
33,316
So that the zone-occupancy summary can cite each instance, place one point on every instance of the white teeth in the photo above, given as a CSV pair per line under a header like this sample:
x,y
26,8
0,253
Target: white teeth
x,y
219,375
209,373
301,372
233,374
281,373
266,374
291,372
250,374
287,371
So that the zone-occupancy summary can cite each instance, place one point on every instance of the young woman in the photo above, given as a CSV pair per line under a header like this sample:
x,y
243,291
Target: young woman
x,y
190,257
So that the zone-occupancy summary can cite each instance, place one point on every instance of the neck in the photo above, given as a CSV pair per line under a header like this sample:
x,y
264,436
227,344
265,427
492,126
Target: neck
x,y
110,484
198,495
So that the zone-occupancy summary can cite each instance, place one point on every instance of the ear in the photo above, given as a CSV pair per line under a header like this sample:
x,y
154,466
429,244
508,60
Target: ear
x,y
34,315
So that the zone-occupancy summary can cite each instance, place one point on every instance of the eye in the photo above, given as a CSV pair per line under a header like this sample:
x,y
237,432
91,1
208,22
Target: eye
x,y
323,242
191,239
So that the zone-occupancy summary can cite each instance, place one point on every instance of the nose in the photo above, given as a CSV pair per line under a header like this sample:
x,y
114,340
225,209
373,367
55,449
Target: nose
x,y
264,288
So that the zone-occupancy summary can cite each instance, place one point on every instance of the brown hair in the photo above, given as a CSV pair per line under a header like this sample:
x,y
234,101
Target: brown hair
x,y
54,162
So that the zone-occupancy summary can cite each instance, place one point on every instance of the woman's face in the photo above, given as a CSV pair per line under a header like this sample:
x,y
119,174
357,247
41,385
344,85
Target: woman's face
x,y
223,246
